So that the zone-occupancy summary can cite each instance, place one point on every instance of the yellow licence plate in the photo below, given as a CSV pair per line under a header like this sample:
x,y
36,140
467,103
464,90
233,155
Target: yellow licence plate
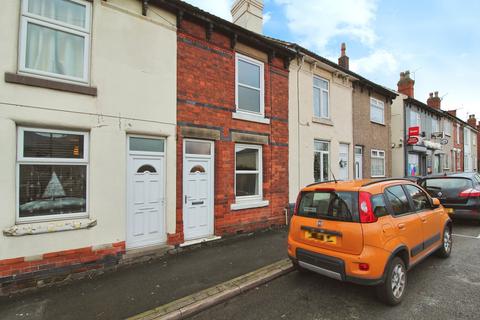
x,y
322,237
450,211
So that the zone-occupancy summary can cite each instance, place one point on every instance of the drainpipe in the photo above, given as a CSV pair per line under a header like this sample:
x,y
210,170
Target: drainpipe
x,y
298,116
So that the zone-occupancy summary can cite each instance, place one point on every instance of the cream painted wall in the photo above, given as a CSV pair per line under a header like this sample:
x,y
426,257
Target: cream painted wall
x,y
133,65
398,134
304,129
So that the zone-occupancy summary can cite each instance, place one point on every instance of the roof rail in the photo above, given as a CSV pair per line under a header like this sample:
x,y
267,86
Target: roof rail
x,y
321,182
385,180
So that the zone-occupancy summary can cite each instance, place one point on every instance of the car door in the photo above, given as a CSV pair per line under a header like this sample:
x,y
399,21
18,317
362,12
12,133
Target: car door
x,y
429,217
406,222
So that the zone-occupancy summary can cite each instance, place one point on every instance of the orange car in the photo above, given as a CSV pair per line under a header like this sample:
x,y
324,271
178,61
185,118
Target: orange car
x,y
368,232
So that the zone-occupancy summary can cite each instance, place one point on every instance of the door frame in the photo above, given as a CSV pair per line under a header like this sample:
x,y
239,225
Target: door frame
x,y
212,184
360,156
152,155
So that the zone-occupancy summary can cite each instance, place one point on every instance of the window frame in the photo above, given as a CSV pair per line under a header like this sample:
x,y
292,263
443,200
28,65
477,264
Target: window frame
x,y
377,157
389,204
261,65
410,198
320,116
376,103
321,152
259,172
27,17
21,160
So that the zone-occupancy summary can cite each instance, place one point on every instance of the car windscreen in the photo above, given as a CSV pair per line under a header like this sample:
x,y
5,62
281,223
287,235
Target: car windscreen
x,y
331,205
447,184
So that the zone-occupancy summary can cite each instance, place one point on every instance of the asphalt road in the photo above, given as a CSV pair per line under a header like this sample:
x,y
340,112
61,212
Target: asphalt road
x,y
437,289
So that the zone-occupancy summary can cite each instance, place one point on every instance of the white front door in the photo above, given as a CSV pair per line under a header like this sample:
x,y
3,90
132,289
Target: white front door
x,y
343,161
145,197
358,163
198,189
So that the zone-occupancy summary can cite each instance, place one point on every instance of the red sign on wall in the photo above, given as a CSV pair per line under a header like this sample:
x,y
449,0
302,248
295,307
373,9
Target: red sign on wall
x,y
412,140
414,131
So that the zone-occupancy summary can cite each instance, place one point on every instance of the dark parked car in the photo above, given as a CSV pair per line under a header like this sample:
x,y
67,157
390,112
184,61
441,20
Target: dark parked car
x,y
458,192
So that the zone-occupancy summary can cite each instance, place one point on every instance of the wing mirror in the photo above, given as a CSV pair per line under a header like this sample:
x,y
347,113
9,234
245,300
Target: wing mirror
x,y
435,203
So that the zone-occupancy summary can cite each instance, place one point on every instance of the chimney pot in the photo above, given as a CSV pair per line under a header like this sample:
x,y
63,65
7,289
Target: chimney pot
x,y
436,93
343,61
431,94
406,84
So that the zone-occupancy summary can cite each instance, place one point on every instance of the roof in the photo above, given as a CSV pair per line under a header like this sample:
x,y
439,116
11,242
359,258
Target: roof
x,y
351,185
441,113
185,10
378,88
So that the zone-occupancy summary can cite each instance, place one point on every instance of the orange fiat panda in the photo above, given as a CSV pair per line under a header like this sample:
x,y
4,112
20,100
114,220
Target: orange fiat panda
x,y
368,232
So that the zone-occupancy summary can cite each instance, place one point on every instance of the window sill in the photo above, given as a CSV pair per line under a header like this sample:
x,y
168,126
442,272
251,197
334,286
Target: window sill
x,y
48,227
324,121
249,204
49,84
378,177
379,123
250,117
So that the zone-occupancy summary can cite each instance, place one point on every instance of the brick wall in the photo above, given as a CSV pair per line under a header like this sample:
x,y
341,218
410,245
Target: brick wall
x,y
206,99
371,135
22,273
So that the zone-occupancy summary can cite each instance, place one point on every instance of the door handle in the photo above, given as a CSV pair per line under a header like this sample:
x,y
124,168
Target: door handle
x,y
401,226
186,199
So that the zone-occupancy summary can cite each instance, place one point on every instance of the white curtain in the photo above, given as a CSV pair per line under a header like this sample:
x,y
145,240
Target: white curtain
x,y
52,50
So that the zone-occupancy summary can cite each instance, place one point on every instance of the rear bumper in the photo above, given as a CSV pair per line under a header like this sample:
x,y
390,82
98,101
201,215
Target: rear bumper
x,y
341,266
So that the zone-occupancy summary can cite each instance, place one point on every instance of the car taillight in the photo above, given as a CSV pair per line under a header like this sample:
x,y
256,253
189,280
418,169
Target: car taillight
x,y
363,266
365,208
470,193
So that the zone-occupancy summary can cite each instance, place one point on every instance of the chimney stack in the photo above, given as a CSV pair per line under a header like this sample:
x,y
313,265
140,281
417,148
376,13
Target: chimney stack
x,y
405,84
248,14
343,61
434,101
452,112
472,121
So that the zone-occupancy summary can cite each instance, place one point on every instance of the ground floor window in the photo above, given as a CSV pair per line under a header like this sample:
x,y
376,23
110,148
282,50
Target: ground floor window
x,y
378,163
52,171
321,160
248,172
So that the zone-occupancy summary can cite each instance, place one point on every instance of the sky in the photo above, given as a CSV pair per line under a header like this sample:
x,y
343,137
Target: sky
x,y
437,40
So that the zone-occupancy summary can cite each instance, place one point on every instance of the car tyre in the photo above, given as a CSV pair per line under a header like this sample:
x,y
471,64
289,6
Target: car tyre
x,y
393,289
447,241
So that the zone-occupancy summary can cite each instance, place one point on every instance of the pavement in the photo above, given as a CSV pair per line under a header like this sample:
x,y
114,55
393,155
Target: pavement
x,y
131,291
437,289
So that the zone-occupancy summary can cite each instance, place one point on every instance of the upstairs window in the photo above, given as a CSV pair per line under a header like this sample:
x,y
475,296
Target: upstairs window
x,y
377,111
414,119
55,39
321,107
250,85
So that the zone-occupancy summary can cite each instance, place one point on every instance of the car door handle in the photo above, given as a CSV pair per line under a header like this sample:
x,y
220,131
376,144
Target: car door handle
x,y
423,219
401,226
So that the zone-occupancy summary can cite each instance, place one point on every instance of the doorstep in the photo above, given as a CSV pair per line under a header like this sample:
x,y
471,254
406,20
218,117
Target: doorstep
x,y
199,241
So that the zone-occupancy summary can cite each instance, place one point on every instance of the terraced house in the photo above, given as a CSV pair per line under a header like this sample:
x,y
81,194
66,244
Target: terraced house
x,y
320,121
232,115
371,113
88,142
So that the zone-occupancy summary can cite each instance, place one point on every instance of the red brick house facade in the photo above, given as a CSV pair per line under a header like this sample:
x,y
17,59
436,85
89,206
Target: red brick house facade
x,y
209,55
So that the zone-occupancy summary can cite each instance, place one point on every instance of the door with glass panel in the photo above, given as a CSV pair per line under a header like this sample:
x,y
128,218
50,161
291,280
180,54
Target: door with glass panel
x,y
321,160
197,189
145,192
343,161
358,162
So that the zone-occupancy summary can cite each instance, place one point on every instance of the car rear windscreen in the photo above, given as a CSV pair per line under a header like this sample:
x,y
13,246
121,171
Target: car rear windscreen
x,y
447,183
331,205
